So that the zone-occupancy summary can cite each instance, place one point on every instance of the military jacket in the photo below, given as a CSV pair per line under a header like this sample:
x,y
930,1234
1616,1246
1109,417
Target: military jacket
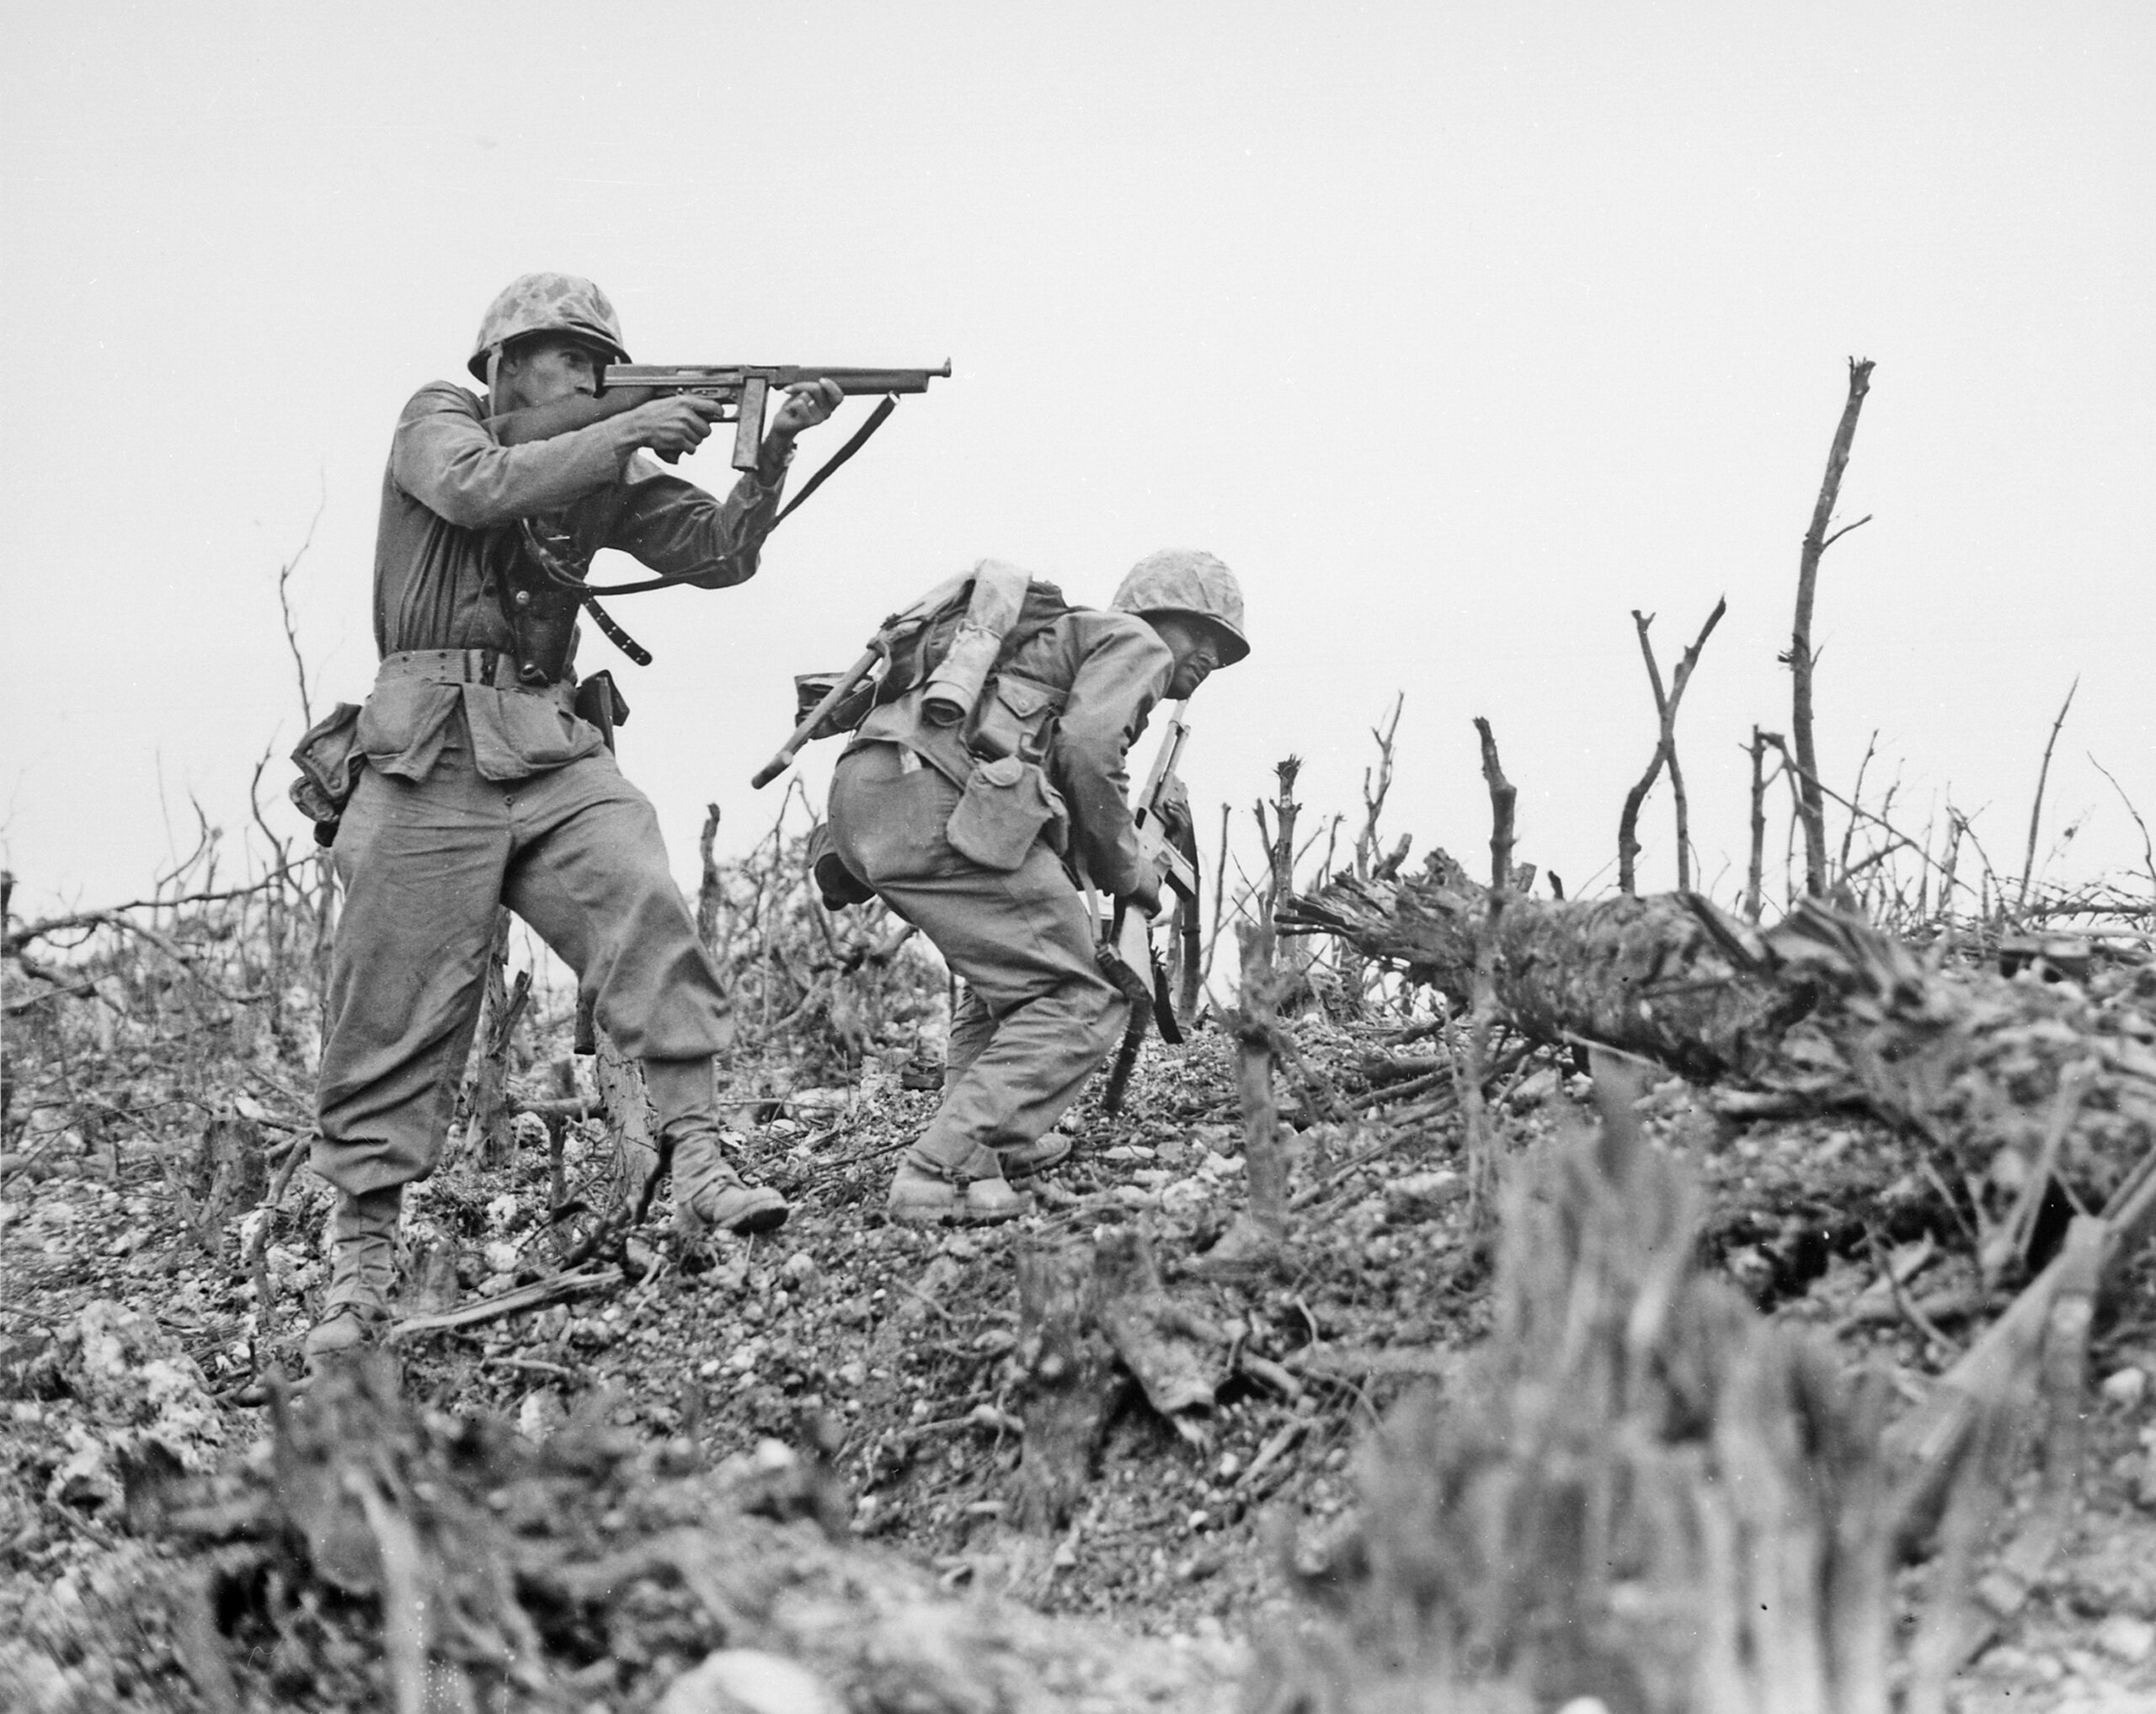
x,y
450,488
1079,693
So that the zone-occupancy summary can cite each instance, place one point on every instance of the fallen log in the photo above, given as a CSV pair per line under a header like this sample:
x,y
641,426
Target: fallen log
x,y
1644,975
2013,1081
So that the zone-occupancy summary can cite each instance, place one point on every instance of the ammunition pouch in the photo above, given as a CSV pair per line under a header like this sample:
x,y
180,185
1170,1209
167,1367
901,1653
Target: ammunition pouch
x,y
1015,718
600,700
1006,805
329,760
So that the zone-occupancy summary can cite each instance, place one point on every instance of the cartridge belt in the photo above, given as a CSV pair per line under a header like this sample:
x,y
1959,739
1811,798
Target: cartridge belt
x,y
464,666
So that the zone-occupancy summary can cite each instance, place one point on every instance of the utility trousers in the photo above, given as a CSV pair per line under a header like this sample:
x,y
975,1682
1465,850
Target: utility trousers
x,y
1038,1017
575,852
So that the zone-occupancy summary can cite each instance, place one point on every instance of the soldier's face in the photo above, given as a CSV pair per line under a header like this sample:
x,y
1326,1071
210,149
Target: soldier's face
x,y
541,371
1196,648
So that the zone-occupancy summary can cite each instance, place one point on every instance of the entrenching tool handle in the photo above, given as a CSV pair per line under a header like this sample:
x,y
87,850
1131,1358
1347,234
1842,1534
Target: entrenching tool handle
x,y
807,729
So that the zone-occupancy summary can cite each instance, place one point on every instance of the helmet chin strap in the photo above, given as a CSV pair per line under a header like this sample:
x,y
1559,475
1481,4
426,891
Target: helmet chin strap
x,y
495,376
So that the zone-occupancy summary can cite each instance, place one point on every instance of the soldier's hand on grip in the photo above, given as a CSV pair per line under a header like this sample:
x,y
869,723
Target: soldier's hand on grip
x,y
673,426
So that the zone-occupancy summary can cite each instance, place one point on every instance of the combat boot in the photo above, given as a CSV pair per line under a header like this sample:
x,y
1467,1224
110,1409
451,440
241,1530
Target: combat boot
x,y
1024,1160
925,1191
708,1191
362,1270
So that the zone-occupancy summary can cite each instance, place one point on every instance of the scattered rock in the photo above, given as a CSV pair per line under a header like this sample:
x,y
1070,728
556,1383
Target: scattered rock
x,y
1530,1092
149,1408
748,1681
540,1413
2124,1638
1420,1194
2126,1387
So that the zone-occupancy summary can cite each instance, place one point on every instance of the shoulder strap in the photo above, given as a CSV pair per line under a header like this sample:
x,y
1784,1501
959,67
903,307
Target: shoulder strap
x,y
920,637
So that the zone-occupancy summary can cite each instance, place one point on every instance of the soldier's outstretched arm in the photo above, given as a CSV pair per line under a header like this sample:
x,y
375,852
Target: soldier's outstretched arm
x,y
1124,672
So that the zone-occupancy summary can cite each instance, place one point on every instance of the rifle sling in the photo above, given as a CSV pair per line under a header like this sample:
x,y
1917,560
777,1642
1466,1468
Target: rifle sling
x,y
877,419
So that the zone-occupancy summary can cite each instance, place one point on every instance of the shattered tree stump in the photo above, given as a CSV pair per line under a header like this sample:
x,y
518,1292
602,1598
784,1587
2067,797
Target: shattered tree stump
x,y
1253,1245
230,1173
628,1119
1640,1491
1066,1366
1093,1320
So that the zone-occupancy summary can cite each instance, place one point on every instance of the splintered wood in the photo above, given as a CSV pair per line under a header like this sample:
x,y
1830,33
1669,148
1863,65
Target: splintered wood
x,y
1641,1492
1093,1318
1065,1364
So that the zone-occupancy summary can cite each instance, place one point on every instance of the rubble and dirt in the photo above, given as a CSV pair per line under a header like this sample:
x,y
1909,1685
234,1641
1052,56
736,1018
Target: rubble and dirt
x,y
708,1460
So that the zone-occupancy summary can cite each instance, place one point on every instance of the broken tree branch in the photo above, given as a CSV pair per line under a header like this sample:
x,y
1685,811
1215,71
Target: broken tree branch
x,y
1752,873
1813,809
2036,808
1665,753
1482,1143
1282,854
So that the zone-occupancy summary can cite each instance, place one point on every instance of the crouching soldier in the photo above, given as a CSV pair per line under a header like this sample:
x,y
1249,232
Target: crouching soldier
x,y
488,779
983,790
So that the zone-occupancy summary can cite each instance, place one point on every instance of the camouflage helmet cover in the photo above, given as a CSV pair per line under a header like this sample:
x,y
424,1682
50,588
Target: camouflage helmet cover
x,y
548,303
1188,580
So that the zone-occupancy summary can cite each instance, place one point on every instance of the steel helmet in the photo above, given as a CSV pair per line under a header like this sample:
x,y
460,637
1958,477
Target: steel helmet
x,y
548,303
1188,580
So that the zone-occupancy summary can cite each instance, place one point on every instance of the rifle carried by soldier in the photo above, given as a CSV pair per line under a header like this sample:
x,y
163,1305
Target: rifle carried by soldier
x,y
1160,813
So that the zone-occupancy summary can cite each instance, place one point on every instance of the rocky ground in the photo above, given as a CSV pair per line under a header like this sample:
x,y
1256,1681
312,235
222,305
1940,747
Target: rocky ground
x,y
839,1403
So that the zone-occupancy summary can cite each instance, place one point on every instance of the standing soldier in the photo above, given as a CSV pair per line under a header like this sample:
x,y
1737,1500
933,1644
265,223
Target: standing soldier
x,y
983,847
483,785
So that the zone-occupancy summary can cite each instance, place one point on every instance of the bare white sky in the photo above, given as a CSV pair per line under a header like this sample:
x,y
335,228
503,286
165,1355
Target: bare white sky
x,y
1458,331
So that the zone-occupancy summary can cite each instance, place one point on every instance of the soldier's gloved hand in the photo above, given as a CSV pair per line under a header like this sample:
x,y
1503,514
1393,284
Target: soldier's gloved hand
x,y
671,426
807,403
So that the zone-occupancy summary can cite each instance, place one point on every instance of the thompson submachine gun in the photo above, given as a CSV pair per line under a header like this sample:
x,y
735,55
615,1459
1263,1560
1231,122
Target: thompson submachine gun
x,y
542,573
744,388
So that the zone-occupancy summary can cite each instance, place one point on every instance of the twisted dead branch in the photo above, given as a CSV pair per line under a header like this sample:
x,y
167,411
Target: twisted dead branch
x,y
1665,754
2037,805
1800,659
